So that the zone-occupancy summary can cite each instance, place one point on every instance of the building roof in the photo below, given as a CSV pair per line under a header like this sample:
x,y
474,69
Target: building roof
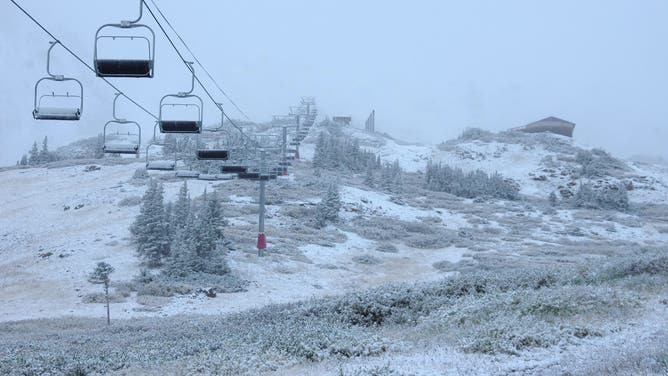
x,y
551,119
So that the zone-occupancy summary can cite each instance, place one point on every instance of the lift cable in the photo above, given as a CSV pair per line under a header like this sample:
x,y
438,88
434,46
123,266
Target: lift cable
x,y
198,62
81,60
208,93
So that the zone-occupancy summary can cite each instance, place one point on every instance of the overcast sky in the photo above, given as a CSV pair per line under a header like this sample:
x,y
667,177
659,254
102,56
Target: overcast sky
x,y
428,68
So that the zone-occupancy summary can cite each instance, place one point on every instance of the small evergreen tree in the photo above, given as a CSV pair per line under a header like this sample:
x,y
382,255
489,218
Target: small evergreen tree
x,y
24,160
44,155
181,261
101,276
552,198
369,179
34,155
150,229
328,208
181,210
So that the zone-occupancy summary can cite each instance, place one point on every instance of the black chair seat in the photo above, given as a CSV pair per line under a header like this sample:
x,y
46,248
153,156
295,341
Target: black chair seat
x,y
218,155
249,175
123,68
233,169
180,126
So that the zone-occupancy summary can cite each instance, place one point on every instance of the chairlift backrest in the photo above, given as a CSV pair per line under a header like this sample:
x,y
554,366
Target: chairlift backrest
x,y
56,105
137,66
182,124
114,143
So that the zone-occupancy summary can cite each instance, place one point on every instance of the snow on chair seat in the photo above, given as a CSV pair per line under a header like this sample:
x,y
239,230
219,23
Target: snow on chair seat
x,y
161,165
121,148
56,96
188,174
56,113
216,176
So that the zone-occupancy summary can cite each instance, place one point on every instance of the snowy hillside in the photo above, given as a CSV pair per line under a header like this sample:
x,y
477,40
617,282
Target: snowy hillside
x,y
539,163
446,272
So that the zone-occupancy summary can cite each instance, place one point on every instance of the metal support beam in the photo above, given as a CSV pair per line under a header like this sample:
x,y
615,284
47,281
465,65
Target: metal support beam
x,y
261,237
284,150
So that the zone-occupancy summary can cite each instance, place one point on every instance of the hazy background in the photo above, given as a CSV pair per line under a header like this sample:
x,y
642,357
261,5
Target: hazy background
x,y
429,68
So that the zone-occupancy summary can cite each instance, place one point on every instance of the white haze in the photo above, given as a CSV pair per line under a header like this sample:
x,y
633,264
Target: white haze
x,y
429,68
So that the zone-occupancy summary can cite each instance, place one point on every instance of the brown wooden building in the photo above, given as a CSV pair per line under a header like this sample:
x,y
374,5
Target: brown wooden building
x,y
549,124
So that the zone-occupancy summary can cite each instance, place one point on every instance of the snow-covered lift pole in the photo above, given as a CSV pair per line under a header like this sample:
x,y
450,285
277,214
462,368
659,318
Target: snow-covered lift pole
x,y
261,237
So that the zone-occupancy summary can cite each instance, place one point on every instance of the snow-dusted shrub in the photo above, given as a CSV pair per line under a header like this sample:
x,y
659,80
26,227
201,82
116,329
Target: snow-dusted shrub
x,y
474,134
377,228
298,212
610,198
598,163
441,239
444,265
164,288
100,298
418,227
443,178
140,174
167,286
385,370
130,201
387,248
367,260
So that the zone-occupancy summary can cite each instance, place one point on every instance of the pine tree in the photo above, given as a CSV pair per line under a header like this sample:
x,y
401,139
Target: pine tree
x,y
24,160
181,261
44,155
150,230
328,209
369,179
319,157
101,276
34,155
214,216
552,198
181,208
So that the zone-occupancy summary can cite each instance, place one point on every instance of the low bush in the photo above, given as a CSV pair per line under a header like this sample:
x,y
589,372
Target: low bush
x,y
130,201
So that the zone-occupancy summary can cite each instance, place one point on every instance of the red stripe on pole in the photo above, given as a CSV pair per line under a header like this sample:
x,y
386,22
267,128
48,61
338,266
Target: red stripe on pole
x,y
261,241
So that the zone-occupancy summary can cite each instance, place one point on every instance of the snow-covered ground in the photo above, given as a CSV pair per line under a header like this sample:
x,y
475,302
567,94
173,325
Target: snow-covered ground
x,y
57,223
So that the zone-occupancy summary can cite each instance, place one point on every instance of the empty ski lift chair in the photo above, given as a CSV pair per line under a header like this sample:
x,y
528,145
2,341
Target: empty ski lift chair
x,y
158,165
56,105
179,122
124,141
188,172
139,57
216,152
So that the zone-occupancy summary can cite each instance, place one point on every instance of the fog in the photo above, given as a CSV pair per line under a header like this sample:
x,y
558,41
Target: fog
x,y
428,68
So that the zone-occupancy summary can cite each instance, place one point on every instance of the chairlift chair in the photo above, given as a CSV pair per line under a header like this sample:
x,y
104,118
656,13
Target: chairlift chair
x,y
187,174
57,106
121,143
233,168
159,165
217,152
181,123
137,66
